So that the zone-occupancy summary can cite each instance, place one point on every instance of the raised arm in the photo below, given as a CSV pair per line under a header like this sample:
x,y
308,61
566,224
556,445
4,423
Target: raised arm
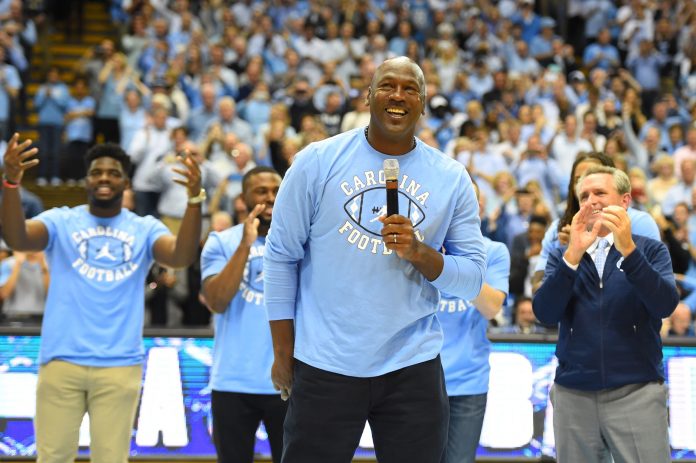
x,y
221,288
181,250
19,233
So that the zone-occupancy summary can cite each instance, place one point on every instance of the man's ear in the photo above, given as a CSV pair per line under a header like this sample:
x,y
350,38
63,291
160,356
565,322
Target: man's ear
x,y
626,200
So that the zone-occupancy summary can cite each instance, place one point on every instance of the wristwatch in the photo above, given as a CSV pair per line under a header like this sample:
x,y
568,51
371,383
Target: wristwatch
x,y
199,198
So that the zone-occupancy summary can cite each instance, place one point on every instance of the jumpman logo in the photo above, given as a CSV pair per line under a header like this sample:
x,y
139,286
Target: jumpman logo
x,y
104,252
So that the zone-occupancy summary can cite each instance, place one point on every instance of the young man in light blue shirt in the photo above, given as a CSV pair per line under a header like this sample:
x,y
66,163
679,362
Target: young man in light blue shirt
x,y
352,294
99,254
240,379
465,354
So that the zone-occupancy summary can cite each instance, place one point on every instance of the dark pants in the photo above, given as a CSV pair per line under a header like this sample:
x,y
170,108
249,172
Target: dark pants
x,y
49,150
74,160
146,203
106,130
236,417
407,409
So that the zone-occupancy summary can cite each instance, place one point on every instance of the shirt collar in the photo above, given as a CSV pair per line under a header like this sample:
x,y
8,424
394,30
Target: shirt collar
x,y
593,246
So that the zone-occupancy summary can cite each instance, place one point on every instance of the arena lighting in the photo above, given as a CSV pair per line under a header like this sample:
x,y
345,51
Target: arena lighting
x,y
174,422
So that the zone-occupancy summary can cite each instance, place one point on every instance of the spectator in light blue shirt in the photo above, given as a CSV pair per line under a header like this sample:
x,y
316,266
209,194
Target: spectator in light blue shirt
x,y
132,117
78,129
10,84
602,54
201,116
51,101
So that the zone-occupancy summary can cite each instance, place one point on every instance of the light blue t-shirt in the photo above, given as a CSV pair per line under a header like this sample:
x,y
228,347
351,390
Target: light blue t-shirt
x,y
95,303
79,129
359,309
243,350
466,348
642,224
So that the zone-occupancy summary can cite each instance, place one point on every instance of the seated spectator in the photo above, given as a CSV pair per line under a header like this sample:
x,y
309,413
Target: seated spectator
x,y
524,252
524,321
229,122
23,287
682,191
664,180
680,323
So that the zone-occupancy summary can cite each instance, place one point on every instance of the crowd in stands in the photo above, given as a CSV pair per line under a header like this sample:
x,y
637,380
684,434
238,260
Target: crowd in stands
x,y
515,90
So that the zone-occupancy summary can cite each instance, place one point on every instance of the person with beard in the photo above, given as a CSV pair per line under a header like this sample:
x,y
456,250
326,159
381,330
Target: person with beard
x,y
240,378
91,350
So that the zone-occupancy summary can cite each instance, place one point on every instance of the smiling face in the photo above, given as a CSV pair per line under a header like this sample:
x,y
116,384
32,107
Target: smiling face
x,y
397,100
599,191
262,188
105,184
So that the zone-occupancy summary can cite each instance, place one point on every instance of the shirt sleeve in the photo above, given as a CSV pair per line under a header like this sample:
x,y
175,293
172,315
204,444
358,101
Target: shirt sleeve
x,y
465,261
213,257
292,216
498,267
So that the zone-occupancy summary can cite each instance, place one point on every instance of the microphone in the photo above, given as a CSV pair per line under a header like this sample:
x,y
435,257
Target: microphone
x,y
391,174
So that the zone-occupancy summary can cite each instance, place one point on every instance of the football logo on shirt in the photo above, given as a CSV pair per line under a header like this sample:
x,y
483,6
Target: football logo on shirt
x,y
366,207
251,286
366,204
105,253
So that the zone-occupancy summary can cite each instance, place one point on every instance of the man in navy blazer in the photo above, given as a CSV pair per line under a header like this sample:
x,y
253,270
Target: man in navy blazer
x,y
609,290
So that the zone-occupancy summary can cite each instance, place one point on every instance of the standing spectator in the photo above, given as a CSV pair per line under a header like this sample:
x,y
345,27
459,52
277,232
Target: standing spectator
x,y
51,101
229,122
524,320
326,363
602,54
10,84
149,145
232,275
567,144
78,131
465,353
91,351
201,116
132,117
112,78
332,114
687,151
626,280
645,67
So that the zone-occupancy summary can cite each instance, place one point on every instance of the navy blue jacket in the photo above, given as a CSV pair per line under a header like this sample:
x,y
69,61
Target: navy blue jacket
x,y
609,334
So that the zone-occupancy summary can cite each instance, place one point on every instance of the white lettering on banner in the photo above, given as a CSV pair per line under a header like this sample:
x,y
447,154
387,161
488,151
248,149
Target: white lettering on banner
x,y
509,392
682,419
162,403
